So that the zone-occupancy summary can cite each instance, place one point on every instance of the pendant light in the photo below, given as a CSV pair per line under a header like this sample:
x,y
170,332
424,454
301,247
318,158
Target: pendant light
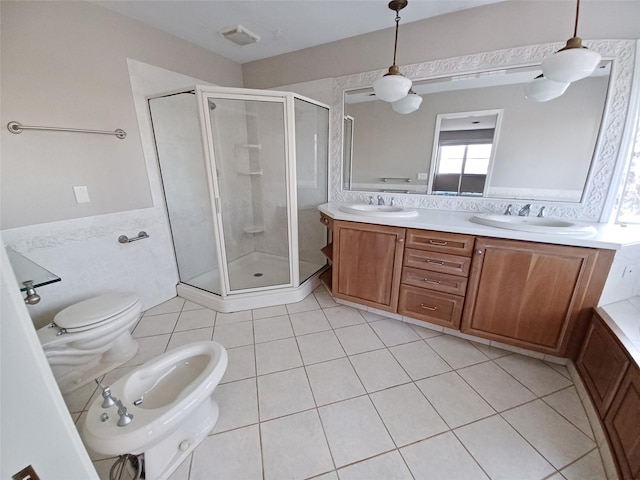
x,y
393,86
541,89
572,62
408,104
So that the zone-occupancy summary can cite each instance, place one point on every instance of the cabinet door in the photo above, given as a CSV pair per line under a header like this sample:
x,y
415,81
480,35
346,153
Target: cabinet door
x,y
367,261
529,294
602,364
623,425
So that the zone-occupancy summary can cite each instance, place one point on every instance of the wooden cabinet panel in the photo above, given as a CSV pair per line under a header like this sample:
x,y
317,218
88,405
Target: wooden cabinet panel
x,y
452,243
367,262
437,281
434,307
623,425
532,295
437,262
602,364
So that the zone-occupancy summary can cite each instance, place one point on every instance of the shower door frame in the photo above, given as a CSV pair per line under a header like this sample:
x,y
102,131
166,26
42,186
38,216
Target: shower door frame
x,y
203,94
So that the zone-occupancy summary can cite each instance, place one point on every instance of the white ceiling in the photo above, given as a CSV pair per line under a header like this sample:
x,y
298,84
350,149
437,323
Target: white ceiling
x,y
283,25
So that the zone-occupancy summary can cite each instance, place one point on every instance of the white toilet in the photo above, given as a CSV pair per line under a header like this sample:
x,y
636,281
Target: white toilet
x,y
168,406
90,338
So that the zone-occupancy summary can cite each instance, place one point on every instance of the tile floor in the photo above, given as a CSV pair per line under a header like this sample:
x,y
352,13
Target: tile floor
x,y
320,390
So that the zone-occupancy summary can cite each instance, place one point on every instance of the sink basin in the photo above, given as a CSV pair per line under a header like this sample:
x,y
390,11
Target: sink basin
x,y
387,211
534,224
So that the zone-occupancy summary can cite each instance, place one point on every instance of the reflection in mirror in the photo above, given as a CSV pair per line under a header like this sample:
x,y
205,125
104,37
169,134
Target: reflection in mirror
x,y
463,152
544,150
347,152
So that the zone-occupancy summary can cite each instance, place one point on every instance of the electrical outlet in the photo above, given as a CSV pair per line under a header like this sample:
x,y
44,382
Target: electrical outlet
x,y
423,176
82,194
630,271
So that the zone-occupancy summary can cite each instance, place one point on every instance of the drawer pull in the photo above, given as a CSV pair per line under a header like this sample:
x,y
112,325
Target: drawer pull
x,y
426,307
432,282
440,244
433,262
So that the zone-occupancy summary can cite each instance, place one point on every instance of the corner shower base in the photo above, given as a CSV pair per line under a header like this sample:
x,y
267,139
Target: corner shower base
x,y
271,271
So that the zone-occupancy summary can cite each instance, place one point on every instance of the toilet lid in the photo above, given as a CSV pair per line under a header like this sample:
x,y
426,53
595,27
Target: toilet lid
x,y
94,310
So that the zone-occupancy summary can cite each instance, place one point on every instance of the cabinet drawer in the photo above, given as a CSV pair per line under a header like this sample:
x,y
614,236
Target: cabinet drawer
x,y
452,243
326,221
440,282
434,307
437,262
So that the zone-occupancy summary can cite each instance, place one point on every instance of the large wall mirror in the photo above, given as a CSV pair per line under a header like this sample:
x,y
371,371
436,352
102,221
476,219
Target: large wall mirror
x,y
477,143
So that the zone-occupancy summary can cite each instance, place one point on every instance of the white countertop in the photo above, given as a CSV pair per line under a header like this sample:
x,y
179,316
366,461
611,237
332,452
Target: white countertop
x,y
612,237
626,317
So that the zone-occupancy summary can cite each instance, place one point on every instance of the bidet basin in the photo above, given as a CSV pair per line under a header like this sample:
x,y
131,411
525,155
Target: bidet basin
x,y
378,210
534,224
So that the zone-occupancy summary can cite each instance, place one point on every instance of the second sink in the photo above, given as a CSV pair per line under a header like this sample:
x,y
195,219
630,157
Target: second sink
x,y
378,210
534,224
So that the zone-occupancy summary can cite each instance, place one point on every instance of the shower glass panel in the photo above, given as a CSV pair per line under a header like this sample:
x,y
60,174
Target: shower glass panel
x,y
184,176
250,153
312,163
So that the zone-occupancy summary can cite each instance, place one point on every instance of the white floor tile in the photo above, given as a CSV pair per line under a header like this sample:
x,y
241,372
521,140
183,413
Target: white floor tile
x,y
343,316
238,403
170,306
567,403
426,331
308,304
457,352
588,467
234,317
454,399
179,339
416,420
234,334
183,470
354,430
419,360
324,299
492,352
358,339
386,466
272,328
241,364
442,457
309,322
189,305
496,386
373,317
394,332
334,381
277,355
319,347
327,476
534,374
230,455
284,393
77,400
378,370
192,319
155,325
267,312
550,434
501,451
295,447
148,348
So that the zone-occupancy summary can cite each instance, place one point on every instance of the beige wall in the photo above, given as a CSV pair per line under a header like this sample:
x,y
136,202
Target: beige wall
x,y
65,64
507,24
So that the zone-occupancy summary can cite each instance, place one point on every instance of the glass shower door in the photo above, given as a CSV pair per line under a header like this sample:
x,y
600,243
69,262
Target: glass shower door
x,y
248,143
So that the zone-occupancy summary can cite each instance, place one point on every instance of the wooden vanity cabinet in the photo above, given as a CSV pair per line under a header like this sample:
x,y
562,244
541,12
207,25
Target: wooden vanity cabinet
x,y
612,379
367,263
533,295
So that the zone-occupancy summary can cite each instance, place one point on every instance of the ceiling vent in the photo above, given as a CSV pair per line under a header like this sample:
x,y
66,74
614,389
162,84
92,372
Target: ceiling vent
x,y
239,35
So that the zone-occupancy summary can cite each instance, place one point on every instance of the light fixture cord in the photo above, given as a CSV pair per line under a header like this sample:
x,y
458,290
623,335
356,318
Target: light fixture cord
x,y
395,45
575,28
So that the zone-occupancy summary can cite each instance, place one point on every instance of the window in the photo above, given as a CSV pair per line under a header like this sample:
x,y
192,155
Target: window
x,y
629,209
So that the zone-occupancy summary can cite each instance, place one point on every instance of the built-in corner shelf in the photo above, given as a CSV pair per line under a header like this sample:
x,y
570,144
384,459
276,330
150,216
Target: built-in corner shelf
x,y
327,250
256,172
254,229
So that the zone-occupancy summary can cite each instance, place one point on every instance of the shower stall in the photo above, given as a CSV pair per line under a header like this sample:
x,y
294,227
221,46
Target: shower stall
x,y
243,172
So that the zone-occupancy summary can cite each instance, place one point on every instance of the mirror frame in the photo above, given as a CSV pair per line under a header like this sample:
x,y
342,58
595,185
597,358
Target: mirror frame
x,y
607,149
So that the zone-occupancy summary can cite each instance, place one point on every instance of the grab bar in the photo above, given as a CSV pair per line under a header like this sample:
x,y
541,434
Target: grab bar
x,y
16,127
125,239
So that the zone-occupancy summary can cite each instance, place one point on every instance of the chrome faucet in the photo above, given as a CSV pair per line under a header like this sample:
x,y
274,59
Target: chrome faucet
x,y
109,400
541,212
509,210
524,211
380,200
125,418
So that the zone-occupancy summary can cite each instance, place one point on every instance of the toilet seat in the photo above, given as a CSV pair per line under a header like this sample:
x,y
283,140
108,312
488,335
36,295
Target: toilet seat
x,y
93,312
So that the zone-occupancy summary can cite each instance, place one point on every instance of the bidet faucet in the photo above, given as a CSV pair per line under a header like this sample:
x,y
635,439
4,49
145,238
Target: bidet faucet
x,y
541,212
380,200
109,400
524,211
125,418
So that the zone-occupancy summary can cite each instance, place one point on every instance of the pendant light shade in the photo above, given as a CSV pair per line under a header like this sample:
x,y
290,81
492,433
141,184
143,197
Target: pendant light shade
x,y
542,89
393,86
409,104
572,62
